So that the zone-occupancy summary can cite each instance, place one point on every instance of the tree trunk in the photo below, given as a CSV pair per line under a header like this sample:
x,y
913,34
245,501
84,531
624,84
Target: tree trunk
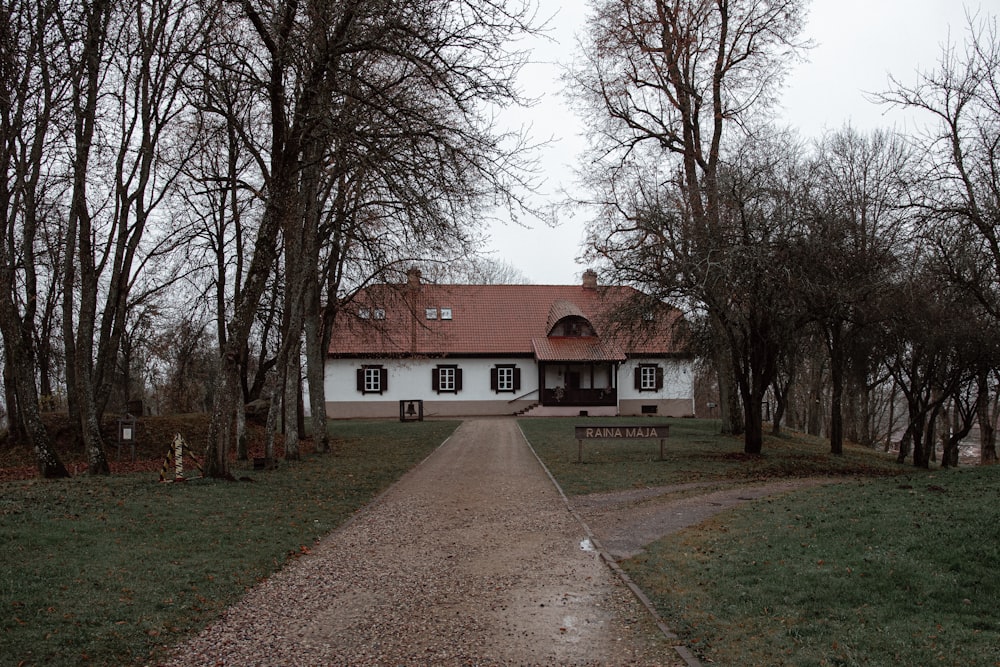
x,y
310,303
950,440
15,425
220,427
293,386
891,426
80,288
753,438
814,409
228,397
905,444
315,368
730,410
271,425
923,441
242,450
836,392
17,345
289,357
986,417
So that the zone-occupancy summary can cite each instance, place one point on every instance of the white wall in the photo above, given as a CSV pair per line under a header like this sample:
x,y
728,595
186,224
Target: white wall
x,y
678,379
410,379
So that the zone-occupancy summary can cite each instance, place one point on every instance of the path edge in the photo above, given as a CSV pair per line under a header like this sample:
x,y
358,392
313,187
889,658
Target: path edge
x,y
682,651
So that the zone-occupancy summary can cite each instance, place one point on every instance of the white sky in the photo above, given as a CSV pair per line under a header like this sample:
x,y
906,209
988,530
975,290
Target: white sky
x,y
858,43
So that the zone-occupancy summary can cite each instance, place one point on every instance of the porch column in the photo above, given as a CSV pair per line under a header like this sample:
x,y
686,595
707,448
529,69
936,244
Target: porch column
x,y
541,382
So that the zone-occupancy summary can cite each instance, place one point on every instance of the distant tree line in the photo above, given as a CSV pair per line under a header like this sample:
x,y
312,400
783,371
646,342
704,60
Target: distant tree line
x,y
834,279
192,190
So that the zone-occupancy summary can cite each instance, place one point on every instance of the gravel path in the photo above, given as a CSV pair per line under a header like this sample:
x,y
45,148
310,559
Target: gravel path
x,y
471,559
626,521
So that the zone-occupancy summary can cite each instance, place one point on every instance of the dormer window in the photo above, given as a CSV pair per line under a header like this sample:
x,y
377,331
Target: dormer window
x,y
431,313
364,313
573,327
380,313
446,313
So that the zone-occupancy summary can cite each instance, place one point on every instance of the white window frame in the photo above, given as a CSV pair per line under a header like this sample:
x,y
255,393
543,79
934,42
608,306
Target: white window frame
x,y
647,378
373,380
446,379
505,378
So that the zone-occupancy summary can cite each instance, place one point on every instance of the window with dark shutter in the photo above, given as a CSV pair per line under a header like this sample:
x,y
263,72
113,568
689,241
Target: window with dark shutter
x,y
648,377
372,379
505,379
446,379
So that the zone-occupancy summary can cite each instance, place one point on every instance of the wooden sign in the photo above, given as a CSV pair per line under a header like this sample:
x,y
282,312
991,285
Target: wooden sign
x,y
622,432
613,432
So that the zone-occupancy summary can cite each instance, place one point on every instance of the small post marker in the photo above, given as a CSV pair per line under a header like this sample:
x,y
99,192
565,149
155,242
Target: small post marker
x,y
176,452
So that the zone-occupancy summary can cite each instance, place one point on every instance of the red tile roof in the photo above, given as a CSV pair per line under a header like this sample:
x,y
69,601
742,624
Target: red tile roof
x,y
490,320
584,348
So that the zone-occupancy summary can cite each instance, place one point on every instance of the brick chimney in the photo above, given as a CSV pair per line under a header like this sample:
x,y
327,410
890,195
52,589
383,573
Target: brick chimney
x,y
590,279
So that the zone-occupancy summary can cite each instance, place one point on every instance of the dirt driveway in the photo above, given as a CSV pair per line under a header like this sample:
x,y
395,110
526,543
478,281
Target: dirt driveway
x,y
471,559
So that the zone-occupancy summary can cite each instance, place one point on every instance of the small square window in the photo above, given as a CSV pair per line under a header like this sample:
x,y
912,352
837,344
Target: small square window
x,y
432,313
364,313
380,313
446,313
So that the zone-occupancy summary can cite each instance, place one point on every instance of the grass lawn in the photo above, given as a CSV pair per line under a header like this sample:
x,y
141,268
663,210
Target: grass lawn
x,y
875,571
694,452
107,570
879,572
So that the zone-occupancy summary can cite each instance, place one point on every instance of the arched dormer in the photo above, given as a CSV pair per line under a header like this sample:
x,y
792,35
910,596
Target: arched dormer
x,y
567,320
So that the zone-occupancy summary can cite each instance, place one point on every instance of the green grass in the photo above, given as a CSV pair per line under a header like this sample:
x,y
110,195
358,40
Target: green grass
x,y
875,571
694,452
107,570
880,572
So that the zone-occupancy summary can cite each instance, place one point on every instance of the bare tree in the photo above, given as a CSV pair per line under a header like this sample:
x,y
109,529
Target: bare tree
x,y
32,98
132,59
961,202
934,356
736,281
349,80
664,78
855,233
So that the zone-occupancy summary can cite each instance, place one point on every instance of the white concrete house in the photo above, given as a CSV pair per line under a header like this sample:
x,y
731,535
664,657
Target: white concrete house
x,y
470,350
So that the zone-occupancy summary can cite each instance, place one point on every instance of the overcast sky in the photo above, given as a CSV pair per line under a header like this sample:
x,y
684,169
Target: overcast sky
x,y
858,44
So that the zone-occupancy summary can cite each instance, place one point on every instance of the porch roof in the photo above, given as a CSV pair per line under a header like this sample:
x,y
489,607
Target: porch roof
x,y
558,348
